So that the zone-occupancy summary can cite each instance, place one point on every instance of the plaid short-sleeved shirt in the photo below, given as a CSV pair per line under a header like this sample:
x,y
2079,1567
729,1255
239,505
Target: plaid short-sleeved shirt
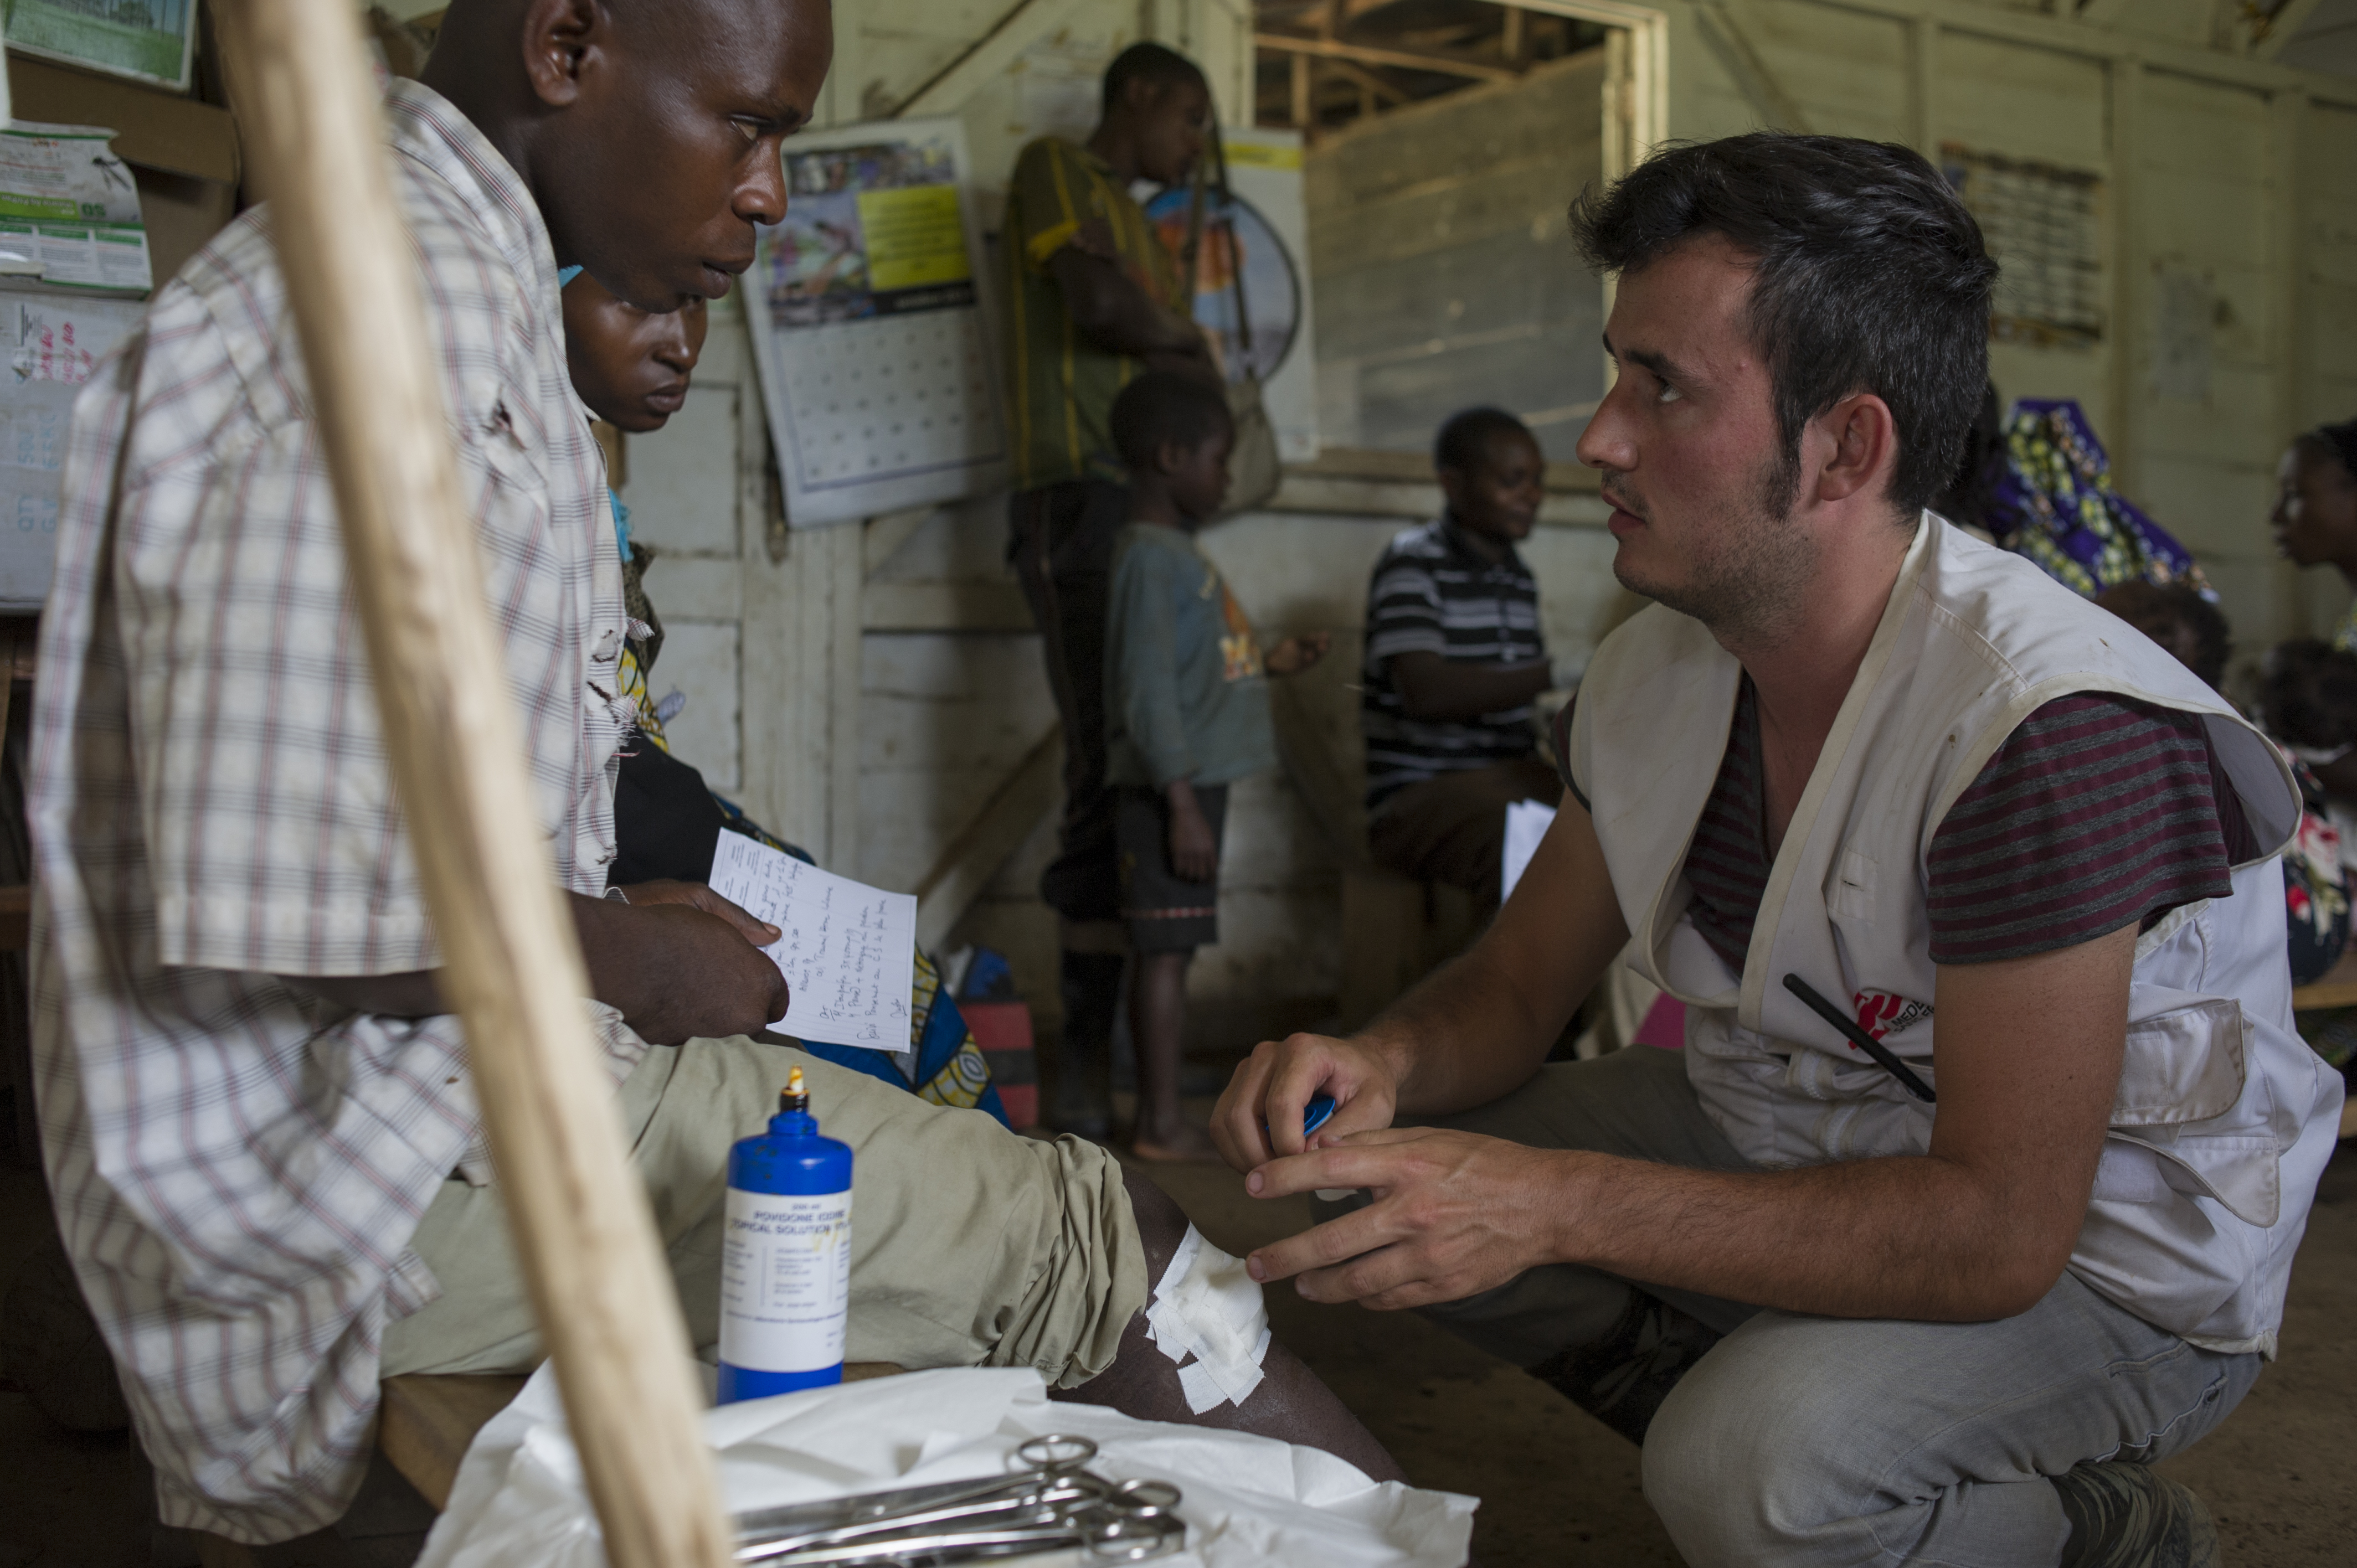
x,y
238,1169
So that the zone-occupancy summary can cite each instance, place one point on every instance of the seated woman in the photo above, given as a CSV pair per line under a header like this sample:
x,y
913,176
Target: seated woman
x,y
632,367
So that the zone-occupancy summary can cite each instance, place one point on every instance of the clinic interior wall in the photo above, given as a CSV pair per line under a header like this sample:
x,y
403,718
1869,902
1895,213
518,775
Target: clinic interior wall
x,y
2224,210
876,746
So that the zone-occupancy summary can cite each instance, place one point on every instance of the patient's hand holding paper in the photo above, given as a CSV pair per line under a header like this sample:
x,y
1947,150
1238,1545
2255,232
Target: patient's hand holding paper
x,y
848,951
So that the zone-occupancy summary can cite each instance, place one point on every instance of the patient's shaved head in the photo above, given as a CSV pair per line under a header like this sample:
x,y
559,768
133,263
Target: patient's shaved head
x,y
646,130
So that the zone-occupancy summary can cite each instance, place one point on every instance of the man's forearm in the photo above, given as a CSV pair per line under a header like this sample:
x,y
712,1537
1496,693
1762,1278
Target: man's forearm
x,y
1481,1025
1908,1237
423,993
1462,1037
1436,690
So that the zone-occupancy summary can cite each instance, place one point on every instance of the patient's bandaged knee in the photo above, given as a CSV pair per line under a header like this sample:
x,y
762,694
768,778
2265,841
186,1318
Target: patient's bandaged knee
x,y
1207,1307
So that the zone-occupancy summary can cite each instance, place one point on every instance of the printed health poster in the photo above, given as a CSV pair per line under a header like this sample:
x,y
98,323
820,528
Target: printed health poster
x,y
52,344
147,40
869,326
70,213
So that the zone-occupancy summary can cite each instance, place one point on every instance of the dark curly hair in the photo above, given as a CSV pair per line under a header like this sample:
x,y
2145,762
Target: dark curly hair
x,y
1148,63
2175,615
1463,440
1871,277
2308,695
1164,405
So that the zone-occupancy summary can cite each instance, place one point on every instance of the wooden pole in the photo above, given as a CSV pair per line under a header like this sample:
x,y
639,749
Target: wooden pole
x,y
580,1218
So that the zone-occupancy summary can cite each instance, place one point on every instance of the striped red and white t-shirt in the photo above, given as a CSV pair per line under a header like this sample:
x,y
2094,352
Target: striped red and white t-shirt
x,y
2097,813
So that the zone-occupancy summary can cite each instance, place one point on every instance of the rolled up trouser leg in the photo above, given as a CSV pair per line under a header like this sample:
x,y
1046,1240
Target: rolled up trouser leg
x,y
970,1246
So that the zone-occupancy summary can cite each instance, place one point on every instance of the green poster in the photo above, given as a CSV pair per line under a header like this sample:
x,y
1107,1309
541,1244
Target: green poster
x,y
151,40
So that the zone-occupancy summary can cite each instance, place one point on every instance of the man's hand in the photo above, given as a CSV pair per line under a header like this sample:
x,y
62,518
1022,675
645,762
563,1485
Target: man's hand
x,y
676,961
1194,848
1259,1116
696,896
1296,654
681,964
1455,1214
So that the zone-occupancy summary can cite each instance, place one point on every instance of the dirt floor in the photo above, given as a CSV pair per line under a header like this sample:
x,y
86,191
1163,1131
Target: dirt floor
x,y
1556,1487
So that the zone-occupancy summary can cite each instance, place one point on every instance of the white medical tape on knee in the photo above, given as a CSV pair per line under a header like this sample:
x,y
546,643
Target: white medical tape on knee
x,y
1207,1306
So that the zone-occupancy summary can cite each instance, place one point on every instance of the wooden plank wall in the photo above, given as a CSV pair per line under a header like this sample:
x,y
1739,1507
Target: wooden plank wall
x,y
2224,184
1439,263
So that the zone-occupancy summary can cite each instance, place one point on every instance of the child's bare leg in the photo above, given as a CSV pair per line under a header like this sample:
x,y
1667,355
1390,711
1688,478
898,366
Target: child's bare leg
x,y
1290,1403
1158,1024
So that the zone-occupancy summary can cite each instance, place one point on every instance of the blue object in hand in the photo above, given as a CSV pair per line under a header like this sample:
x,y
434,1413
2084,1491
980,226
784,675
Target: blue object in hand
x,y
1313,1115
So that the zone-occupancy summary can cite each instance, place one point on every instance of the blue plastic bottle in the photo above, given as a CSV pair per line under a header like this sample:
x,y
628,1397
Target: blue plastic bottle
x,y
785,1268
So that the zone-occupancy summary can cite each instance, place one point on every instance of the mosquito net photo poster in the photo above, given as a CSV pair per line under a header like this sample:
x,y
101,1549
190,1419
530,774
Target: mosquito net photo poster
x,y
1270,237
869,326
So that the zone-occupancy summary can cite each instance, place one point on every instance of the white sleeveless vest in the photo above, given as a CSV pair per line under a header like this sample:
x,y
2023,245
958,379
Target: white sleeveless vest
x,y
2223,1118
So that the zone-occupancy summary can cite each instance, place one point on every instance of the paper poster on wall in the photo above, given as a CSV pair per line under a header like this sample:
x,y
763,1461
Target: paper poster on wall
x,y
869,326
147,40
1271,232
69,214
51,342
2044,226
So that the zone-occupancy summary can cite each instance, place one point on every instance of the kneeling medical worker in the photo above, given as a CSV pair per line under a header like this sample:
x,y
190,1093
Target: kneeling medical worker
x,y
1975,1187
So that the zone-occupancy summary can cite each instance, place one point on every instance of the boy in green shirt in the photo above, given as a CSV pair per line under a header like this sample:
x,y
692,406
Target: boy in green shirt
x,y
1186,715
1093,301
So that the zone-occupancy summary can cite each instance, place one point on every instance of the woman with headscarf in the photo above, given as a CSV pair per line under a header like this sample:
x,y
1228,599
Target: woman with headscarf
x,y
2039,483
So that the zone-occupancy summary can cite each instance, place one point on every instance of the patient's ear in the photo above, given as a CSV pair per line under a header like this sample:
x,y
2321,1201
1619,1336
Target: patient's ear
x,y
557,36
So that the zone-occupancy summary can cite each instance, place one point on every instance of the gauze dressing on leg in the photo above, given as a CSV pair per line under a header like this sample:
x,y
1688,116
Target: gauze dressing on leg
x,y
1208,1307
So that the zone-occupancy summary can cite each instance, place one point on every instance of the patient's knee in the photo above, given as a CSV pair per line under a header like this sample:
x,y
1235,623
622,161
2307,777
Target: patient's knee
x,y
1161,1224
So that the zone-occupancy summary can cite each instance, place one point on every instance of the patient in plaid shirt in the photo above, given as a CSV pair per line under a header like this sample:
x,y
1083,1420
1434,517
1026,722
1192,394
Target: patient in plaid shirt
x,y
256,1117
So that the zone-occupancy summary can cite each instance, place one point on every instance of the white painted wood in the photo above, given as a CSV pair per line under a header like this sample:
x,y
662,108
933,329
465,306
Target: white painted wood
x,y
944,606
700,662
683,480
1008,816
886,533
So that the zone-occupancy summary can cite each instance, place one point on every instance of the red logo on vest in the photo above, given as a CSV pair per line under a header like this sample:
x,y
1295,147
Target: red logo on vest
x,y
1881,1013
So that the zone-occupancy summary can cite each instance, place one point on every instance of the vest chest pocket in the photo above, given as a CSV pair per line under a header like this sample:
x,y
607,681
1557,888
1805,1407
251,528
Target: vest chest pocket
x,y
1850,891
2184,1064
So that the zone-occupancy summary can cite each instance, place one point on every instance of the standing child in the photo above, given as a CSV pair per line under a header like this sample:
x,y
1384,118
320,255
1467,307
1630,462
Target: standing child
x,y
1186,715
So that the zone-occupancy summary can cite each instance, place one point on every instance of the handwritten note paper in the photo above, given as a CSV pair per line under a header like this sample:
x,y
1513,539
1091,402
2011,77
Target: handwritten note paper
x,y
848,951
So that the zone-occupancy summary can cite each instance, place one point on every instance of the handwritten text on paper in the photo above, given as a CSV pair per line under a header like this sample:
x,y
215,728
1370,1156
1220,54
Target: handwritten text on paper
x,y
848,951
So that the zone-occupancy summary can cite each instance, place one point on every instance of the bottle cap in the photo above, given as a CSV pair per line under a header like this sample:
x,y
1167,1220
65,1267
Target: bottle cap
x,y
795,1096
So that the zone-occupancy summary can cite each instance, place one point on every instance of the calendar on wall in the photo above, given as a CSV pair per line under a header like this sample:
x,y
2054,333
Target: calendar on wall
x,y
871,326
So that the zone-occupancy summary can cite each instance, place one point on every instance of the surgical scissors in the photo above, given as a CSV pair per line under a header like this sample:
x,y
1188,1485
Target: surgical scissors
x,y
1053,1504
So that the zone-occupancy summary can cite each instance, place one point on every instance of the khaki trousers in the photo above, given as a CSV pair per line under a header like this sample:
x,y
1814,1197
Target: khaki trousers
x,y
970,1246
1800,1441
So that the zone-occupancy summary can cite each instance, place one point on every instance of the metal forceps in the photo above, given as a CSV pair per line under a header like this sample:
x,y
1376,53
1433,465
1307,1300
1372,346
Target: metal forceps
x,y
1052,1505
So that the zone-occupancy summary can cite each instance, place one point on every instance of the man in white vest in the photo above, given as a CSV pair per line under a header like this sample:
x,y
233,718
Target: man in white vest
x,y
1975,1187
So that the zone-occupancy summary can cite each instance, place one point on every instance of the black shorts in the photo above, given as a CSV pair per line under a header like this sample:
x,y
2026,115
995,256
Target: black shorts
x,y
1166,913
